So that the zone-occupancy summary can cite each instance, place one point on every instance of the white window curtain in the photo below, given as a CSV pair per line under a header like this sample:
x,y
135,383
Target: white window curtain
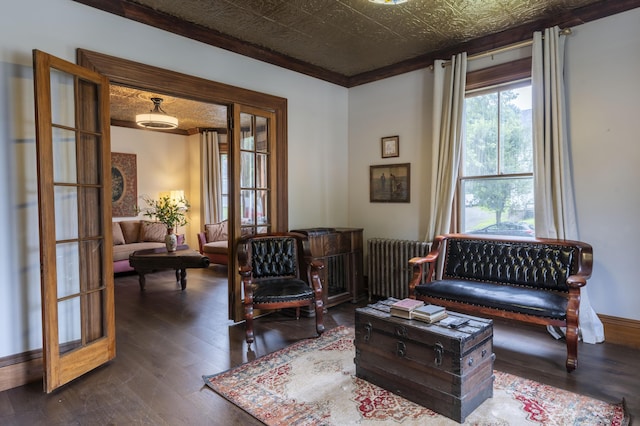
x,y
448,110
554,198
211,177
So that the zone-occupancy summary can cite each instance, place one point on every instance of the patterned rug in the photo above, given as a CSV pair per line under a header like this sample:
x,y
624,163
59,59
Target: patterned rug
x,y
313,383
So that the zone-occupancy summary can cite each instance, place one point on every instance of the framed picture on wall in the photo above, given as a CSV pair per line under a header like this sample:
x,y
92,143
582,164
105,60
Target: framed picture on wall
x,y
390,146
390,183
124,195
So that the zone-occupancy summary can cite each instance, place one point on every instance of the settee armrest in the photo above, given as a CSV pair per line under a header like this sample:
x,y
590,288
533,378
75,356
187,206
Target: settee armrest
x,y
313,276
202,240
417,265
577,281
585,266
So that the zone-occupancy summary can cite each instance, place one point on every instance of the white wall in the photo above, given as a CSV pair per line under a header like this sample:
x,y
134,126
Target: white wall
x,y
317,132
602,68
164,163
399,106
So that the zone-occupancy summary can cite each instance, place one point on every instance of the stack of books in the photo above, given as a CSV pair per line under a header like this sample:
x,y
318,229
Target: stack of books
x,y
429,313
405,307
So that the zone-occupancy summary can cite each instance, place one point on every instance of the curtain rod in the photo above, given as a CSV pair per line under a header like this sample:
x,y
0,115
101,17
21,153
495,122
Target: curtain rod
x,y
518,45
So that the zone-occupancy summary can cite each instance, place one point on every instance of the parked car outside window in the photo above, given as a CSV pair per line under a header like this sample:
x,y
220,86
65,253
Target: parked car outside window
x,y
521,229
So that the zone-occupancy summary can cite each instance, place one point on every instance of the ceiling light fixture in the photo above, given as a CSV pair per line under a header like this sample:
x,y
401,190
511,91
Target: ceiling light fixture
x,y
156,118
388,1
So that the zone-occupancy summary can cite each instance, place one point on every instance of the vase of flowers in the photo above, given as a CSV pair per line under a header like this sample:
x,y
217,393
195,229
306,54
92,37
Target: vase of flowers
x,y
172,212
171,240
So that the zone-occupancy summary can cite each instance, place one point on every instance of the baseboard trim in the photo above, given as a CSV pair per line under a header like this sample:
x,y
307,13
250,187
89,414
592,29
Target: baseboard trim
x,y
21,373
621,331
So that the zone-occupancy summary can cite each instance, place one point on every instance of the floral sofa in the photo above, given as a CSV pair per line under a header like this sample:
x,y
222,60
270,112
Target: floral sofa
x,y
214,241
132,235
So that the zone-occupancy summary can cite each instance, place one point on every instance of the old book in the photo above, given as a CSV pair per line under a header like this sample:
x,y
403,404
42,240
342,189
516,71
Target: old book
x,y
429,310
403,308
428,318
400,313
407,304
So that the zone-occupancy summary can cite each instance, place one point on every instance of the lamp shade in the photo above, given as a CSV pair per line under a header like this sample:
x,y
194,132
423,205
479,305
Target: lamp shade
x,y
156,118
177,196
156,121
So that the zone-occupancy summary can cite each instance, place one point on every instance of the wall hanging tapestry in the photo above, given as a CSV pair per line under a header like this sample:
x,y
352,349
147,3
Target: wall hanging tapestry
x,y
124,184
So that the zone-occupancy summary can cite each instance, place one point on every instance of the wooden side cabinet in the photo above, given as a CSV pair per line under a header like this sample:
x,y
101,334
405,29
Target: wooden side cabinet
x,y
341,251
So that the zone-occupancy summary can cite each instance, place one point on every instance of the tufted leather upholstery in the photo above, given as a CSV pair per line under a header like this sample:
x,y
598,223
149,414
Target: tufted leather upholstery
x,y
281,290
278,272
274,257
498,296
516,263
530,280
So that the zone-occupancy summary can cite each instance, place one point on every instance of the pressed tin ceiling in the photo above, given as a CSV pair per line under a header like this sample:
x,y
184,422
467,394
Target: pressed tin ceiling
x,y
126,102
351,37
350,42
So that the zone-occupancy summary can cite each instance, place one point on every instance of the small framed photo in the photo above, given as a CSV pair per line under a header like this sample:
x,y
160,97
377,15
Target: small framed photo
x,y
390,146
390,183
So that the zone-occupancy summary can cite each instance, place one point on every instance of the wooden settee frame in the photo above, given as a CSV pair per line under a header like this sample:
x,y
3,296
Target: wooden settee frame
x,y
576,273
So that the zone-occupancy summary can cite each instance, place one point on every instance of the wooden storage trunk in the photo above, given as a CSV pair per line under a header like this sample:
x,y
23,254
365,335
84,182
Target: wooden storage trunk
x,y
449,371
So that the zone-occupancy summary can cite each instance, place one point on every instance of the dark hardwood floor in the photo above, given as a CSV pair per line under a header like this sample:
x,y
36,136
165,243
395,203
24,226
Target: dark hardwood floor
x,y
168,339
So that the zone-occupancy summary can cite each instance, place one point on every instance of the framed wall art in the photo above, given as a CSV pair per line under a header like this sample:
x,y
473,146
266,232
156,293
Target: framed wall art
x,y
390,146
390,183
124,182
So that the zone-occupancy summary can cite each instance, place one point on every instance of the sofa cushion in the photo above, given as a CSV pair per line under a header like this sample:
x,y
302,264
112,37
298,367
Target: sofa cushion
x,y
216,247
217,231
529,301
152,231
118,236
130,230
123,251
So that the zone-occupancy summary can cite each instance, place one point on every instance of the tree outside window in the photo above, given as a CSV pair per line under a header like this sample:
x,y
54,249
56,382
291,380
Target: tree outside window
x,y
496,179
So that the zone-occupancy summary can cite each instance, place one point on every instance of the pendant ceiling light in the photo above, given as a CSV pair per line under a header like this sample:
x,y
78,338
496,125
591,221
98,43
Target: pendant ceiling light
x,y
156,118
388,1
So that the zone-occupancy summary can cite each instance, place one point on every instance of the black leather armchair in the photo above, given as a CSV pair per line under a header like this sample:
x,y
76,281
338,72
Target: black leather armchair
x,y
278,272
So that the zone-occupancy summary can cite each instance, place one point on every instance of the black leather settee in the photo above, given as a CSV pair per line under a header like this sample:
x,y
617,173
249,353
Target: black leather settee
x,y
529,280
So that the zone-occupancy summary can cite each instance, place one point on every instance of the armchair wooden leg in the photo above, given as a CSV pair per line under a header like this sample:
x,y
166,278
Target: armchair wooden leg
x,y
248,323
319,308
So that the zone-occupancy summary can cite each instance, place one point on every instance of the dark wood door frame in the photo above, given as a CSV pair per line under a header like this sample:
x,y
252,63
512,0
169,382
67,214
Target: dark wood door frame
x,y
140,76
134,74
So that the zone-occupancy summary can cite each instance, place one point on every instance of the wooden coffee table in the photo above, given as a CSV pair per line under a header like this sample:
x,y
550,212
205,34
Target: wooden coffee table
x,y
145,261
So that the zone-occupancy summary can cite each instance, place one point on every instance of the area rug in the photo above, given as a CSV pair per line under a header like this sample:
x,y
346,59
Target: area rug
x,y
313,383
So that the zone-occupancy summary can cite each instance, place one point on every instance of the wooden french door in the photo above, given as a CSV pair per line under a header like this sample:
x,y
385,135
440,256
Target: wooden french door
x,y
74,200
254,200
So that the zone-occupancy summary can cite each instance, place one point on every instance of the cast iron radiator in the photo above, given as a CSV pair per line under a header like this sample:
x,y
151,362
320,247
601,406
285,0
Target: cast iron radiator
x,y
388,265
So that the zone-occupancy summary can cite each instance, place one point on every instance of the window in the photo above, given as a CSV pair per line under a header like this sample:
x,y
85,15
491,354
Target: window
x,y
224,171
495,186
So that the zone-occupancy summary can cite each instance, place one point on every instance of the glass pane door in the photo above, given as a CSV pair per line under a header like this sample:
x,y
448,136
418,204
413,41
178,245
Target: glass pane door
x,y
74,198
255,189
253,158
